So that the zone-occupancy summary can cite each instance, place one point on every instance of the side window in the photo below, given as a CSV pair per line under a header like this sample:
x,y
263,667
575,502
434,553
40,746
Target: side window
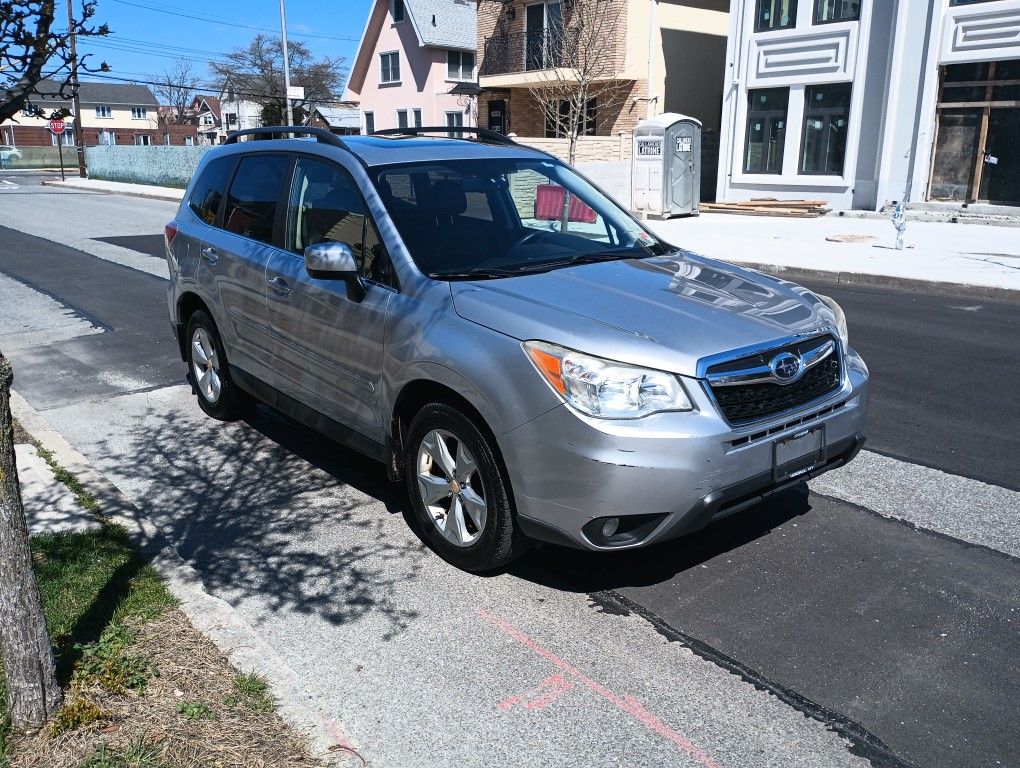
x,y
326,206
251,202
208,190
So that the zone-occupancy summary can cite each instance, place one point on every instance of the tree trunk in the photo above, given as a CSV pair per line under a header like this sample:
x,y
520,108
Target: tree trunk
x,y
33,695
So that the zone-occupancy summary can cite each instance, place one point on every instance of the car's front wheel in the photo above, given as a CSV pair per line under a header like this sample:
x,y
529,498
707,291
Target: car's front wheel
x,y
458,490
217,393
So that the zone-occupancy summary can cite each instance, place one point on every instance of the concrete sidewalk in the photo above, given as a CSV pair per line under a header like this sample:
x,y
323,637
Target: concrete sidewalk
x,y
968,259
961,259
119,187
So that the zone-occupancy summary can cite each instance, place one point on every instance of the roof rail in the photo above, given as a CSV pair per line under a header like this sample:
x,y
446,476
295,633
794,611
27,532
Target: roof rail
x,y
271,131
483,134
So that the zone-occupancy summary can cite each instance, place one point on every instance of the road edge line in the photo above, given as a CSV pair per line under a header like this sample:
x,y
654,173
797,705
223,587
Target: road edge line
x,y
213,617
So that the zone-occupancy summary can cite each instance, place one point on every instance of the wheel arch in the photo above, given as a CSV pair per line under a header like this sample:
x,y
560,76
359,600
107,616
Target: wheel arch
x,y
188,303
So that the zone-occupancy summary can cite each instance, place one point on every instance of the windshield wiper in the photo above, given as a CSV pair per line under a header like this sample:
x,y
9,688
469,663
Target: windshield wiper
x,y
479,272
592,258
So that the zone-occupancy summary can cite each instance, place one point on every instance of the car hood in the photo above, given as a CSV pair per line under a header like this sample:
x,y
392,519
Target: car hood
x,y
665,312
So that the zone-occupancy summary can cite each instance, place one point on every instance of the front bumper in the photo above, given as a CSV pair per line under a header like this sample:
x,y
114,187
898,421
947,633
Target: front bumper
x,y
664,475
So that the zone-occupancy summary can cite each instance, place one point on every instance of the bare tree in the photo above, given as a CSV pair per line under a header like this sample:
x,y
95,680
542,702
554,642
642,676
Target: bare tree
x,y
28,43
175,88
577,81
256,73
33,695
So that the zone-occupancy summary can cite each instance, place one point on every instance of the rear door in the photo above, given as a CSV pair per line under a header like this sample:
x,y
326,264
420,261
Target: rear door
x,y
237,253
329,347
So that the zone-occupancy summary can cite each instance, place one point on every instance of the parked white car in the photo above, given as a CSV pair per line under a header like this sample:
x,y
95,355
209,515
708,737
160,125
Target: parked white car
x,y
9,153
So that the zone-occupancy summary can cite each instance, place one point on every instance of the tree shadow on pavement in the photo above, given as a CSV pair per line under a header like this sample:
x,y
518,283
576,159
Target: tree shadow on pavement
x,y
272,514
583,571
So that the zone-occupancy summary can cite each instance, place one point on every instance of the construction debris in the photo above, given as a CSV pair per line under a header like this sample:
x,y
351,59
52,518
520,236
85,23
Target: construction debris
x,y
770,206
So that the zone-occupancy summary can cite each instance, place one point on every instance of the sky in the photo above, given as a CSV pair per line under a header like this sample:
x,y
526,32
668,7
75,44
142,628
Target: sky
x,y
147,35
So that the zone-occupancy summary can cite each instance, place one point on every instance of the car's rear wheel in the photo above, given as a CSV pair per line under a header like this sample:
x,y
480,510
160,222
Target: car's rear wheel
x,y
217,393
458,490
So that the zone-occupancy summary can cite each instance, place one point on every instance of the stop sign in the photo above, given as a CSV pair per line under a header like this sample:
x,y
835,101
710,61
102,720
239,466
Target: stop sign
x,y
57,126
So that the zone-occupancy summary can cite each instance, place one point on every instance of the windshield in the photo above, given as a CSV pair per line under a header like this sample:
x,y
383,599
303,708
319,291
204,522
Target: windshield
x,y
498,218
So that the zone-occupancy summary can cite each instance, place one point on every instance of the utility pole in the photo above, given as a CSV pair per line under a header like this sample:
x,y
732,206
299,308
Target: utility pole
x,y
79,136
286,64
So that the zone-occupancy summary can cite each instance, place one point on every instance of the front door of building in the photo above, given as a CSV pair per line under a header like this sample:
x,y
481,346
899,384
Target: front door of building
x,y
497,115
976,156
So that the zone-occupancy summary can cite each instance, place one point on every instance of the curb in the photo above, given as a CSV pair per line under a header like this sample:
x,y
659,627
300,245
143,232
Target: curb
x,y
213,617
961,290
129,193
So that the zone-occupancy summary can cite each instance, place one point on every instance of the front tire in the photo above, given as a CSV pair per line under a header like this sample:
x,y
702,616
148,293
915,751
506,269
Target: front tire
x,y
459,492
217,393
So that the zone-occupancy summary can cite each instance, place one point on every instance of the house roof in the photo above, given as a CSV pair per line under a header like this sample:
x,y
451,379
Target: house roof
x,y
211,103
48,91
444,23
339,117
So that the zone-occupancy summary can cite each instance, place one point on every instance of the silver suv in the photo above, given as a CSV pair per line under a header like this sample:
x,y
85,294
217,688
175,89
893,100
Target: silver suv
x,y
508,340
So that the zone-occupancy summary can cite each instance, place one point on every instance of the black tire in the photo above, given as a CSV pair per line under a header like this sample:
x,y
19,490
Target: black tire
x,y
500,541
231,402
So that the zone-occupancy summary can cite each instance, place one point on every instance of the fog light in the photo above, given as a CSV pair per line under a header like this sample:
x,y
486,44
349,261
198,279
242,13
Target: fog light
x,y
609,527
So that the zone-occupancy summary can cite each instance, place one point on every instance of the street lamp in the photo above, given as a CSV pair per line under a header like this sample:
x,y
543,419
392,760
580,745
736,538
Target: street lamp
x,y
286,64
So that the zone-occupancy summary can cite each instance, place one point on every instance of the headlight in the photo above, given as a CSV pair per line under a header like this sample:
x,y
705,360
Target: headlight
x,y
837,310
604,388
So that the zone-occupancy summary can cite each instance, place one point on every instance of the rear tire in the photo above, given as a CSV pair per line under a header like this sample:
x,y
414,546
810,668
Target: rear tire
x,y
459,492
209,373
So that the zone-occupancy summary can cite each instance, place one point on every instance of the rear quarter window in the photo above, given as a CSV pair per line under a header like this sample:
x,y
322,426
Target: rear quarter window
x,y
208,190
254,192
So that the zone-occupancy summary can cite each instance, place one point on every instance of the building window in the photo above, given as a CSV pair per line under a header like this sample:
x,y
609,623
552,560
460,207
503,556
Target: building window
x,y
230,118
460,65
401,118
66,138
397,9
189,141
827,11
766,130
417,117
557,127
142,140
775,14
454,120
389,71
370,122
139,113
104,112
826,118
108,138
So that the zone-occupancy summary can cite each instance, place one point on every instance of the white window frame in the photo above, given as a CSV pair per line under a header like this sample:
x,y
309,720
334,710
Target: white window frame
x,y
189,141
66,138
139,113
142,140
107,138
461,77
416,117
394,81
104,112
457,123
369,118
407,118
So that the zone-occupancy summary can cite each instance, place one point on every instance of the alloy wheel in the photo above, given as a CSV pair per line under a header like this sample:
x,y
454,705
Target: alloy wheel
x,y
205,365
450,487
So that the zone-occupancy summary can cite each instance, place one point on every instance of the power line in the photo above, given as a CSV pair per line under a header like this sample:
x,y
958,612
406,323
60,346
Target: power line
x,y
214,20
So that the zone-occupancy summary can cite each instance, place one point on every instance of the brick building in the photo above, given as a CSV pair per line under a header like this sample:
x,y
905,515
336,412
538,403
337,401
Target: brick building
x,y
663,55
112,113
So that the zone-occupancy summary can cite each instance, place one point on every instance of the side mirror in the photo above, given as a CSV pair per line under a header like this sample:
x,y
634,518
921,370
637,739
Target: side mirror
x,y
335,261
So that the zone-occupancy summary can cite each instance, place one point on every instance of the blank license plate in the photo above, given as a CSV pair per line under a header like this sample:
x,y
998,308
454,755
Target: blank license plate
x,y
799,453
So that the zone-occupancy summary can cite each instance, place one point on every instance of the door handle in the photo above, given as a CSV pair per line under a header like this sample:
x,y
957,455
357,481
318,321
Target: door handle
x,y
210,255
279,285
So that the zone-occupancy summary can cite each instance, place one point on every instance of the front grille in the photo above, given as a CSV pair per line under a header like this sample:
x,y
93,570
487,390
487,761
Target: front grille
x,y
751,402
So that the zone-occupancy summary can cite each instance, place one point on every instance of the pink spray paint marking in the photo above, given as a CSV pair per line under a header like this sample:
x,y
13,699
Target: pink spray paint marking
x,y
542,695
627,704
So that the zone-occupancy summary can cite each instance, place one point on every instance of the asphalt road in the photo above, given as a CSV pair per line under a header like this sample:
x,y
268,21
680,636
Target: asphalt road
x,y
902,641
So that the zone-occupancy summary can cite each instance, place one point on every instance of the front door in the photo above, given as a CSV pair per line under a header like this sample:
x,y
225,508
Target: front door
x,y
236,255
329,346
497,115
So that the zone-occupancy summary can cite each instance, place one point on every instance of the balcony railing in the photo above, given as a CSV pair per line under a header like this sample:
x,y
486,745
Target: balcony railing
x,y
524,52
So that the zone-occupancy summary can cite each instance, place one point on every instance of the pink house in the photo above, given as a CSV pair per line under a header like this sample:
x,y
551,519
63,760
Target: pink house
x,y
415,65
